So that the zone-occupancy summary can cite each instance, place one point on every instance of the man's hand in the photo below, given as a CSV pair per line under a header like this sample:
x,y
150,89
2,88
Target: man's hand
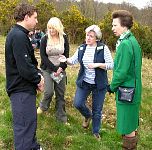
x,y
41,85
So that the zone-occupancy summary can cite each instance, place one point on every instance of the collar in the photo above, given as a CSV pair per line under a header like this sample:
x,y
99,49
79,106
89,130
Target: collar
x,y
124,35
21,28
100,46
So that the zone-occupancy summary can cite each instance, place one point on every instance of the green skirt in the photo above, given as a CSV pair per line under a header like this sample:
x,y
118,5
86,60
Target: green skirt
x,y
127,118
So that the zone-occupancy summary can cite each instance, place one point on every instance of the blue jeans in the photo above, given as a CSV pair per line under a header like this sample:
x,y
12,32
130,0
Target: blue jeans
x,y
98,97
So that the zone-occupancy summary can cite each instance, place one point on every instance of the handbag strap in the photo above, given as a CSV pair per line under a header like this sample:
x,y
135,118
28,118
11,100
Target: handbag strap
x,y
134,60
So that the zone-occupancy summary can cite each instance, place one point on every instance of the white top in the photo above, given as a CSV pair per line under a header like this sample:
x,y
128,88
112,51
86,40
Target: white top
x,y
89,58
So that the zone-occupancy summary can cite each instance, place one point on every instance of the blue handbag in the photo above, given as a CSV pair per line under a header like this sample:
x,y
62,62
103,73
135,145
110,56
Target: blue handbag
x,y
126,94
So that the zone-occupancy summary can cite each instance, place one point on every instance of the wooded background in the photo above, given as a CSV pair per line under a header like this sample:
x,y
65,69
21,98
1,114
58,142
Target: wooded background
x,y
77,15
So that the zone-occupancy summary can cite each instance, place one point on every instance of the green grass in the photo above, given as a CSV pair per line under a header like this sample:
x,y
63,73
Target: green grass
x,y
54,135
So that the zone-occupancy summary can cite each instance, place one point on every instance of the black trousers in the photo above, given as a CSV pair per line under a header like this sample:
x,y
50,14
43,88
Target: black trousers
x,y
24,120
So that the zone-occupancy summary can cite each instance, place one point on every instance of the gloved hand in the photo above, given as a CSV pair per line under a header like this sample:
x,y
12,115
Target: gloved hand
x,y
109,90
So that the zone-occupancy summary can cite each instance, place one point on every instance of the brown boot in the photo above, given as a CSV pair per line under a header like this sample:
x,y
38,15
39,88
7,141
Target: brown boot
x,y
129,143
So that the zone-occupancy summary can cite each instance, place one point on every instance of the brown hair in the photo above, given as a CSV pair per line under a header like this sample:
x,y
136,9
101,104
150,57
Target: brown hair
x,y
22,10
126,18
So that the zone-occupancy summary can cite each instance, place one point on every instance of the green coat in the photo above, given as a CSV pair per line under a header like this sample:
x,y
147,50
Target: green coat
x,y
124,74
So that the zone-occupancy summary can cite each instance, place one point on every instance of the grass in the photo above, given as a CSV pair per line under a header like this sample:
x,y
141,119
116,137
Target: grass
x,y
54,135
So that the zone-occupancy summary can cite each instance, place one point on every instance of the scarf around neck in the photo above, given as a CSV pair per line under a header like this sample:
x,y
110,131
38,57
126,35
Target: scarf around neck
x,y
122,36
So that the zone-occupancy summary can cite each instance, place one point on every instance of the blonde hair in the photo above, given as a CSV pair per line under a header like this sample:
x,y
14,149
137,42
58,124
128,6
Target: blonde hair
x,y
56,23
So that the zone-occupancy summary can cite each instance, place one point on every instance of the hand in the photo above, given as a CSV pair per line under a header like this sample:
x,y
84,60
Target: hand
x,y
92,66
58,71
34,46
41,85
109,90
62,58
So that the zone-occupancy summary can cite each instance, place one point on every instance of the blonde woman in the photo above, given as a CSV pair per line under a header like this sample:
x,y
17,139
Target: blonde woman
x,y
53,44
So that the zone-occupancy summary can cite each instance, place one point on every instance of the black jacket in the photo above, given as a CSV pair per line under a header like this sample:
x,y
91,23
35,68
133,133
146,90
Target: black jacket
x,y
21,64
46,64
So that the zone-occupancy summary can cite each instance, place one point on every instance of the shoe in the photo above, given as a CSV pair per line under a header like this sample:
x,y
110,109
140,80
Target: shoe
x,y
86,122
39,110
38,148
97,136
67,123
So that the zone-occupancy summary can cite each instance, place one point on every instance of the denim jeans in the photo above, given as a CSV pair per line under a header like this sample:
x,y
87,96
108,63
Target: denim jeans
x,y
98,97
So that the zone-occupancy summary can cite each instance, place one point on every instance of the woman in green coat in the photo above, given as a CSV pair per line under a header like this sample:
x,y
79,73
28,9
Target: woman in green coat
x,y
126,73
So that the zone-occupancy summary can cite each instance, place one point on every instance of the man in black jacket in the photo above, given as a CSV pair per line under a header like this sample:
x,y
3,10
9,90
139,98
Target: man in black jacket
x,y
23,78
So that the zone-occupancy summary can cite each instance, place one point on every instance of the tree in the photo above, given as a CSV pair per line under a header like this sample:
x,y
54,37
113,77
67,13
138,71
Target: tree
x,y
46,10
141,32
6,15
144,37
106,26
75,24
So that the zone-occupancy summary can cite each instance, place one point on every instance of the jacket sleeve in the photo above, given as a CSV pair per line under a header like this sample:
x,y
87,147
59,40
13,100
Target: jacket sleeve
x,y
122,64
66,52
44,56
27,67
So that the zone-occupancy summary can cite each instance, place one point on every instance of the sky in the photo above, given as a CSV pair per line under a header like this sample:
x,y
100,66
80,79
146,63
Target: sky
x,y
138,3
